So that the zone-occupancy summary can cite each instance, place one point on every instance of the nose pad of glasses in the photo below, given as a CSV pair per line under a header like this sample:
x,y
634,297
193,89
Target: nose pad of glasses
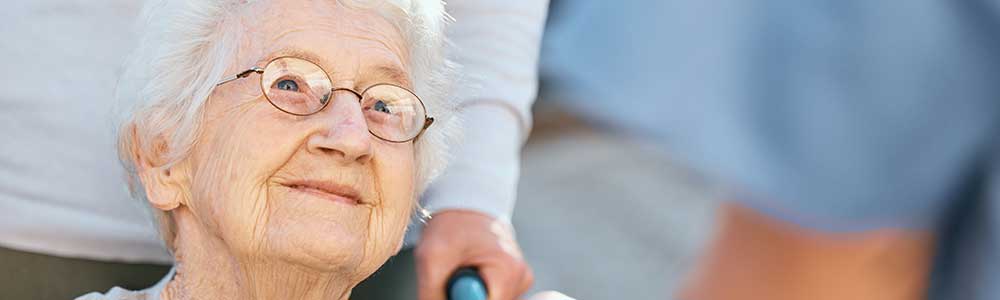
x,y
333,96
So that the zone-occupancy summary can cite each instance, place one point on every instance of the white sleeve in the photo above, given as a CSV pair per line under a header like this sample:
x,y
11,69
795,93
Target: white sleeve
x,y
497,43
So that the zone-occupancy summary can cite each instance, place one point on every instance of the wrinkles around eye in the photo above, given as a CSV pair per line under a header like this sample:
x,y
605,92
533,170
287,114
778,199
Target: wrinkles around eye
x,y
289,98
381,117
304,95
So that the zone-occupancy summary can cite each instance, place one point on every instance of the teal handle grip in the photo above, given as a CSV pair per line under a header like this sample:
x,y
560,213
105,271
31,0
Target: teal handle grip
x,y
466,284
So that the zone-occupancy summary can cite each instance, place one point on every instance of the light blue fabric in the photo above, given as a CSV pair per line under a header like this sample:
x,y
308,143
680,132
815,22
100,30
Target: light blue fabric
x,y
838,114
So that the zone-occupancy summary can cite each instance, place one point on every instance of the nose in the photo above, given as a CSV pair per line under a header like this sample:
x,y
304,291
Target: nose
x,y
342,131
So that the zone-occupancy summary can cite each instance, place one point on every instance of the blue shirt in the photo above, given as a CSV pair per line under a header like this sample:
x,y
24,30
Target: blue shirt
x,y
832,114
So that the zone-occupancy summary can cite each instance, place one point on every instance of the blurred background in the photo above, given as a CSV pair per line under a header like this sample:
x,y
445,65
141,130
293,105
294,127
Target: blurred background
x,y
858,136
604,215
603,212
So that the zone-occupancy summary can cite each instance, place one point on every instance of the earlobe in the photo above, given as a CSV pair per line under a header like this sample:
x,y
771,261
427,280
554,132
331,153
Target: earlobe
x,y
161,191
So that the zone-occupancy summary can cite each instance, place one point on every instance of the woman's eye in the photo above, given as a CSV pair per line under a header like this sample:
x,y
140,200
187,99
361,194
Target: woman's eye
x,y
380,106
287,85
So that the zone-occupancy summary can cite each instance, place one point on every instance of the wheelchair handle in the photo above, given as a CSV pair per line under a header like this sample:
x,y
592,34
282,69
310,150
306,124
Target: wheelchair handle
x,y
466,284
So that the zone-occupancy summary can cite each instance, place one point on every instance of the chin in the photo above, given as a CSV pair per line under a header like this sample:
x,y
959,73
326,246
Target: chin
x,y
323,236
327,249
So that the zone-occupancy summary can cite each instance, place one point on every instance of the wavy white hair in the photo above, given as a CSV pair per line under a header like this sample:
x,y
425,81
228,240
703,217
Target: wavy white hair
x,y
186,46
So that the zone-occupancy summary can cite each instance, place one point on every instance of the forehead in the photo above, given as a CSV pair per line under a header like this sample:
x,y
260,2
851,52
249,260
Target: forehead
x,y
350,43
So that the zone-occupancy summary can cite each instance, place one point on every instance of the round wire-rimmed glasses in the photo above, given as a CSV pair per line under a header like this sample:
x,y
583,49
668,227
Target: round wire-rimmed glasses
x,y
300,87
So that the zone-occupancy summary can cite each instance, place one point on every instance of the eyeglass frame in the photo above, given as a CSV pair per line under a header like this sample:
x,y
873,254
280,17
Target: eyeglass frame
x,y
428,120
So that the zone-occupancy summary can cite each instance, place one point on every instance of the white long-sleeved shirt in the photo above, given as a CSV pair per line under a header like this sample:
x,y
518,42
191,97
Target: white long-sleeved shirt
x,y
62,189
498,43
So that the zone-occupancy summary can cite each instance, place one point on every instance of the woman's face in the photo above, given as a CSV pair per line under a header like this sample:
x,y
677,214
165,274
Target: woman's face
x,y
315,190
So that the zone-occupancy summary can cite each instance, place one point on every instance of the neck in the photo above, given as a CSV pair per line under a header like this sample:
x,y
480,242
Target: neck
x,y
206,268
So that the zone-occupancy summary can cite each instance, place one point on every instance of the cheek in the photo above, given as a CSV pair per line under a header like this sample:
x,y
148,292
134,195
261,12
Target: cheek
x,y
235,156
395,171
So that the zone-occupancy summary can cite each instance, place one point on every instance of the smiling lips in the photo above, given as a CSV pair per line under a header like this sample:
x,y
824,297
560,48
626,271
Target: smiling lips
x,y
328,190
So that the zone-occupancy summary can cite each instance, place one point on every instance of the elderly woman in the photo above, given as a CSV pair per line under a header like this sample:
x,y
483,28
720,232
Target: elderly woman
x,y
282,144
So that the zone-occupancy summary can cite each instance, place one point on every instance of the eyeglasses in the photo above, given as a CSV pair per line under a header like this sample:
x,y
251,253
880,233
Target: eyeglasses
x,y
299,87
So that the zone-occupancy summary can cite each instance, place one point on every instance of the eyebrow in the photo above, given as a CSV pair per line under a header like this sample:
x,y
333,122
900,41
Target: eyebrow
x,y
381,73
295,52
394,74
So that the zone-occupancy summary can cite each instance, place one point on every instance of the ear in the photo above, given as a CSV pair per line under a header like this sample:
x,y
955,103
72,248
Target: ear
x,y
163,186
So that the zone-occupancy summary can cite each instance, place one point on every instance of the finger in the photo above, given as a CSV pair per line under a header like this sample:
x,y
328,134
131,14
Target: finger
x,y
434,264
502,282
527,280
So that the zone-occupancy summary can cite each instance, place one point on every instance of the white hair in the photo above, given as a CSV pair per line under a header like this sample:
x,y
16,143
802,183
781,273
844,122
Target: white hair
x,y
186,46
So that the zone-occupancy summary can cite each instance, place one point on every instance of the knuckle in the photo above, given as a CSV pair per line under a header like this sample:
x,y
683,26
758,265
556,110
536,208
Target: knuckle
x,y
529,277
518,265
429,250
508,258
523,268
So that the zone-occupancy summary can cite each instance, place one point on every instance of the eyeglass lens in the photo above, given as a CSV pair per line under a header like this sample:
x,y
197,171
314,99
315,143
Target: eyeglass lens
x,y
300,87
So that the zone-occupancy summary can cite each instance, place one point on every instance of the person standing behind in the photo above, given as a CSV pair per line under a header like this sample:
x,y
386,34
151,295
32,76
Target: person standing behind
x,y
858,138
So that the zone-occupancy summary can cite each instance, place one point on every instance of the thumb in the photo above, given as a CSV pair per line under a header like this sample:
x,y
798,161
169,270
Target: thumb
x,y
434,264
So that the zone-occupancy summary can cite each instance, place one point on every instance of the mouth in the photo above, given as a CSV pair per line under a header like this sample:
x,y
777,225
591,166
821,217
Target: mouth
x,y
327,190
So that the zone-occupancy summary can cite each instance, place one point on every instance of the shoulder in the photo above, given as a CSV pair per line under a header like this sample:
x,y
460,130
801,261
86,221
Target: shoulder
x,y
117,293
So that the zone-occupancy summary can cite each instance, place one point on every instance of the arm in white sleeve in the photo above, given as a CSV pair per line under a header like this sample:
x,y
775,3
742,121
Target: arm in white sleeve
x,y
498,43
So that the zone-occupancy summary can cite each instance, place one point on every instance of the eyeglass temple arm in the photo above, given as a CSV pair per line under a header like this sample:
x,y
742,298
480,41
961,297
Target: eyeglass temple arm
x,y
243,74
427,123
